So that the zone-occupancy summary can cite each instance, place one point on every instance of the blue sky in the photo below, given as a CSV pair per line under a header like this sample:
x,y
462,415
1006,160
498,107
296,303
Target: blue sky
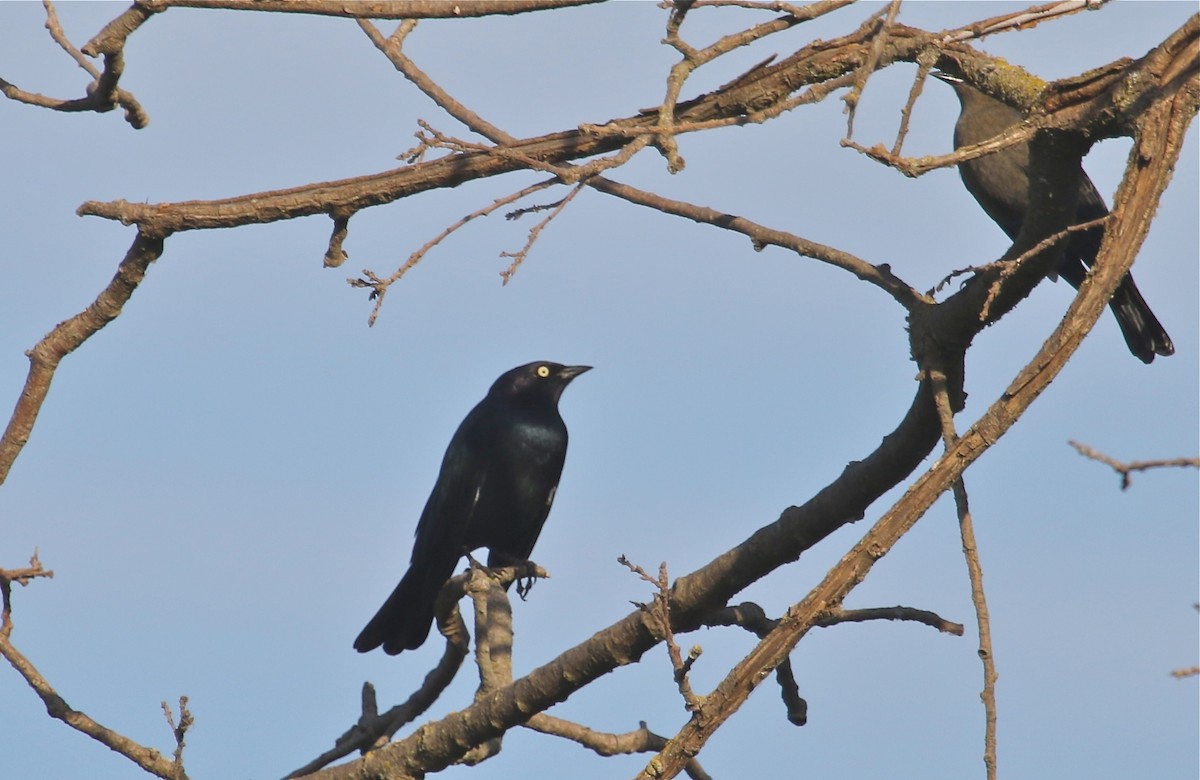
x,y
226,479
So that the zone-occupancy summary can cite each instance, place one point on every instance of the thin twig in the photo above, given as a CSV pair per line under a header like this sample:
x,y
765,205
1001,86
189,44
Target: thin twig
x,y
661,610
643,740
1019,20
392,49
918,166
1126,469
379,285
753,618
925,62
54,27
975,573
869,63
1009,267
879,275
519,256
22,577
179,731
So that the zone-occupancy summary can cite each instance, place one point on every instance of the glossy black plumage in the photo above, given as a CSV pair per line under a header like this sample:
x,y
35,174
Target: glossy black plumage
x,y
495,488
1000,183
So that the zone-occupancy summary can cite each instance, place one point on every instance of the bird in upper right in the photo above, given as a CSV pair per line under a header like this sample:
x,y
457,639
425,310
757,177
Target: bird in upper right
x,y
1000,184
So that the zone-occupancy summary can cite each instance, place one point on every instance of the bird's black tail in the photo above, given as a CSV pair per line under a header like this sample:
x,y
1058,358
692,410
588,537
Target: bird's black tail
x,y
1143,333
403,622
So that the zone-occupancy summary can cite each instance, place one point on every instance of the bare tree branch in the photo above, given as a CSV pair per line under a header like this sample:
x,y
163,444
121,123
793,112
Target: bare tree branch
x,y
391,47
1126,469
661,611
67,336
375,9
22,577
1153,98
56,706
640,741
975,572
180,730
103,94
1157,147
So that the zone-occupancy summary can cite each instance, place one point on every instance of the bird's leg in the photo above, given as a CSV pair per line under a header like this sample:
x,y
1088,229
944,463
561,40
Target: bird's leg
x,y
525,585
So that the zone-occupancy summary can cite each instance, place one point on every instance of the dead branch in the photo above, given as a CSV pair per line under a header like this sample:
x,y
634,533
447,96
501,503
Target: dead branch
x,y
179,730
22,577
640,741
751,617
1126,470
372,730
103,94
970,548
881,276
374,9
148,759
1006,267
1020,20
661,611
67,336
887,19
392,49
519,256
379,286
1157,148
693,596
765,89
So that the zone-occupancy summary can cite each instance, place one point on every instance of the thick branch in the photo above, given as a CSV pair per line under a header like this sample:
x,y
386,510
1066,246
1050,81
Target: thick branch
x,y
376,9
760,90
1157,148
103,94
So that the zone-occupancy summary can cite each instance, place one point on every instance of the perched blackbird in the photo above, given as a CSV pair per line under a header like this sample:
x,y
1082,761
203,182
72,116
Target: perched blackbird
x,y
495,488
1000,183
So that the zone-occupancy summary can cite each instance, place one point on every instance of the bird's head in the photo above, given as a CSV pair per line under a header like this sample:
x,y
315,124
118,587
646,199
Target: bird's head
x,y
540,380
961,87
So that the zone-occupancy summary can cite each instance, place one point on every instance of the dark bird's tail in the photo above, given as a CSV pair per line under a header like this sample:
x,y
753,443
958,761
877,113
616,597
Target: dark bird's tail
x,y
403,622
1143,333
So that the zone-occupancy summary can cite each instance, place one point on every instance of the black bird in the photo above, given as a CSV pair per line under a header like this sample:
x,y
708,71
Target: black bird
x,y
495,488
1000,183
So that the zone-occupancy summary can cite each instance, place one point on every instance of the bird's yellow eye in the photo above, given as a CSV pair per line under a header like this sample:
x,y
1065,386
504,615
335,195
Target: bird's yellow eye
x,y
543,371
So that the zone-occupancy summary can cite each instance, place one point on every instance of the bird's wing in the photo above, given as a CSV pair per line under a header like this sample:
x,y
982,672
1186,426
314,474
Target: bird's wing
x,y
442,529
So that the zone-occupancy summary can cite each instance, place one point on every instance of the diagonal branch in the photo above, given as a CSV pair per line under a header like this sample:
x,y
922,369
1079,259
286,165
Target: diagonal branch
x,y
1156,150
393,50
56,706
879,275
66,337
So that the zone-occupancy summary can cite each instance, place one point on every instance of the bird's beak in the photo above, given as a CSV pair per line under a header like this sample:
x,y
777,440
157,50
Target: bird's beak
x,y
946,77
570,372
